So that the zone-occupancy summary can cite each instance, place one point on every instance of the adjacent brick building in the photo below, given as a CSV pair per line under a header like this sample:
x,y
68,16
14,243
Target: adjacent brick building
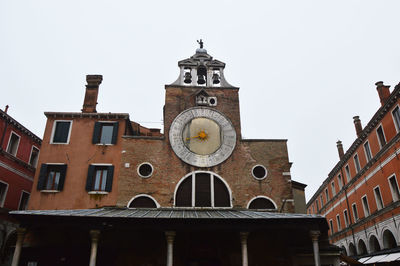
x,y
360,196
216,198
19,153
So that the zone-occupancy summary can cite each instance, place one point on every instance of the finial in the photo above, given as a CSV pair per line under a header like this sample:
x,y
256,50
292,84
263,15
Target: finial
x,y
201,43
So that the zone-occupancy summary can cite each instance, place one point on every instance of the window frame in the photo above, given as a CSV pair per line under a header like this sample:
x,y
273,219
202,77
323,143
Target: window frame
x,y
91,175
54,131
366,209
30,156
339,226
333,189
376,198
261,197
20,200
357,164
193,200
3,200
340,181
391,188
331,226
346,218
355,212
367,151
322,200
143,195
98,129
347,171
327,194
383,134
395,122
44,173
9,141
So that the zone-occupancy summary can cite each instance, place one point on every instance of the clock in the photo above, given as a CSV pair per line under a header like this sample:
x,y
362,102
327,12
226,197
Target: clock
x,y
202,137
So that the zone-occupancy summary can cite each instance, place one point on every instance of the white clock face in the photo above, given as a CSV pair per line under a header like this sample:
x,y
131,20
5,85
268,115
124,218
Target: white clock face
x,y
202,137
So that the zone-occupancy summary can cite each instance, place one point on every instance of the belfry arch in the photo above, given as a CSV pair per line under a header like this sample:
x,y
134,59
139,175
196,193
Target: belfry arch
x,y
202,189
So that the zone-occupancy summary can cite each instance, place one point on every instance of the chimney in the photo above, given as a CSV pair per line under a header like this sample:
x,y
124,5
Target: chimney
x,y
383,91
5,110
92,90
340,149
357,124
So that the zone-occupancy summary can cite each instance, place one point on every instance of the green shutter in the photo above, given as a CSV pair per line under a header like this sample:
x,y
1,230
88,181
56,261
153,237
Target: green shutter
x,y
63,172
110,175
115,133
96,133
89,179
42,177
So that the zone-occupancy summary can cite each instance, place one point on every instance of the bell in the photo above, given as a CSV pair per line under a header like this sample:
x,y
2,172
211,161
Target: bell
x,y
188,78
201,80
215,78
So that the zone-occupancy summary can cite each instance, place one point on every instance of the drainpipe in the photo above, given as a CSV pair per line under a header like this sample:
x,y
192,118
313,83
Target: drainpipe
x,y
349,212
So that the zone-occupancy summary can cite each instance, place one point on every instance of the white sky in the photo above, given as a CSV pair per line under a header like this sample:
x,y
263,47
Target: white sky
x,y
305,68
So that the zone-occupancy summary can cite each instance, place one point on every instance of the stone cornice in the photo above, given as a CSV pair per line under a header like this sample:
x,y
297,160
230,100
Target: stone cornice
x,y
87,115
16,124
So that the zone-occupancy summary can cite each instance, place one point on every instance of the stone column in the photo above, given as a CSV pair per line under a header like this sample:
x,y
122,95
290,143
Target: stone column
x,y
314,237
170,235
243,242
95,236
17,252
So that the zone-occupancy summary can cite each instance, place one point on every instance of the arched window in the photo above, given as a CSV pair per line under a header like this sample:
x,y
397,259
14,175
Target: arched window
x,y
343,250
202,189
261,203
374,244
388,240
352,250
362,248
143,201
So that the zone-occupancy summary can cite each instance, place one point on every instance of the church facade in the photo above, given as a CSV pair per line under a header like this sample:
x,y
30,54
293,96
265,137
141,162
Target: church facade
x,y
110,192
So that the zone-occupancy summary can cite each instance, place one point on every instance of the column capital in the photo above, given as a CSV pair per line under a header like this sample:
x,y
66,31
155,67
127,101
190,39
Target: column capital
x,y
95,235
314,234
244,236
21,231
170,235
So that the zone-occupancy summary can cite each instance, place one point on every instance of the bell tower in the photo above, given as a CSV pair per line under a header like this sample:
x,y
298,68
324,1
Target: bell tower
x,y
201,83
201,70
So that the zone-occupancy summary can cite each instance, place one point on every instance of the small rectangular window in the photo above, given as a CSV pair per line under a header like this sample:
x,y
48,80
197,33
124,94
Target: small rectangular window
x,y
355,212
333,188
313,209
100,178
51,177
327,194
394,188
357,163
23,202
105,133
346,218
340,181
61,132
347,170
13,144
396,117
316,203
338,222
34,156
378,198
365,206
322,200
3,193
331,225
367,150
381,136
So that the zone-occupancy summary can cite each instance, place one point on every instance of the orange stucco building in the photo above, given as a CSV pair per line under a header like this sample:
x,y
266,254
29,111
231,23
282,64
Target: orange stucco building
x,y
360,197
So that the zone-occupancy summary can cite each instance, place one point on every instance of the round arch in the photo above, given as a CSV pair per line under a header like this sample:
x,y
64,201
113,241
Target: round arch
x,y
362,248
343,250
216,187
374,244
352,249
389,241
143,201
267,200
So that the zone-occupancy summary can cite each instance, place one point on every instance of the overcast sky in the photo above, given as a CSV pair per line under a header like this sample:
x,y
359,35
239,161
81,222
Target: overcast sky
x,y
304,68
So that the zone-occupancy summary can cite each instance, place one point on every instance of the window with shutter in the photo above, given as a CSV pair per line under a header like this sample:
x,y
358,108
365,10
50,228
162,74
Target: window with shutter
x,y
61,132
105,133
99,178
52,177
